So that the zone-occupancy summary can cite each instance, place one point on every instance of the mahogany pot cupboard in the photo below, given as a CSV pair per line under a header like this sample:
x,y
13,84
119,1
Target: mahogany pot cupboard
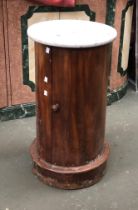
x,y
72,68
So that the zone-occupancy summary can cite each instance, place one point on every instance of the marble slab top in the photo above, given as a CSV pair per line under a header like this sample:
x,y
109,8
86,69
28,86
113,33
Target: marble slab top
x,y
71,33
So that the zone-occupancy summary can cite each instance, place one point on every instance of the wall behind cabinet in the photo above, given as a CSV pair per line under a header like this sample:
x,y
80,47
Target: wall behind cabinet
x,y
20,93
3,76
16,73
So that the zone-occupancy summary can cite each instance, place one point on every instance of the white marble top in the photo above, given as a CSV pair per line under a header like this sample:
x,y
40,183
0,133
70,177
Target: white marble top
x,y
71,33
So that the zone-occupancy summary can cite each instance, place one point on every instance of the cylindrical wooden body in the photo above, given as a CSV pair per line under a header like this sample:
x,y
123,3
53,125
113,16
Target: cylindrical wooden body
x,y
70,151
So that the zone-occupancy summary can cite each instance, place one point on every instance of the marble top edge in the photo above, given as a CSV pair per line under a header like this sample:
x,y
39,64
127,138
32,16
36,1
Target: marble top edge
x,y
72,33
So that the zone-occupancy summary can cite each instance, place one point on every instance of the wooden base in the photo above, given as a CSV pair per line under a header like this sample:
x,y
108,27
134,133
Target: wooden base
x,y
70,177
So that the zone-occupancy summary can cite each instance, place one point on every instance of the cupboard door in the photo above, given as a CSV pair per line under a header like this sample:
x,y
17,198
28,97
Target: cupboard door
x,y
3,76
78,104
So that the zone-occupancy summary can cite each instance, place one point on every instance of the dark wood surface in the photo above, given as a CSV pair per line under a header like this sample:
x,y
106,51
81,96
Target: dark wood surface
x,y
71,119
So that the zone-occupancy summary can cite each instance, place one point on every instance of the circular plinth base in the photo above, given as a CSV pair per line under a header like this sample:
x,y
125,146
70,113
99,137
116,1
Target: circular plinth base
x,y
70,177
